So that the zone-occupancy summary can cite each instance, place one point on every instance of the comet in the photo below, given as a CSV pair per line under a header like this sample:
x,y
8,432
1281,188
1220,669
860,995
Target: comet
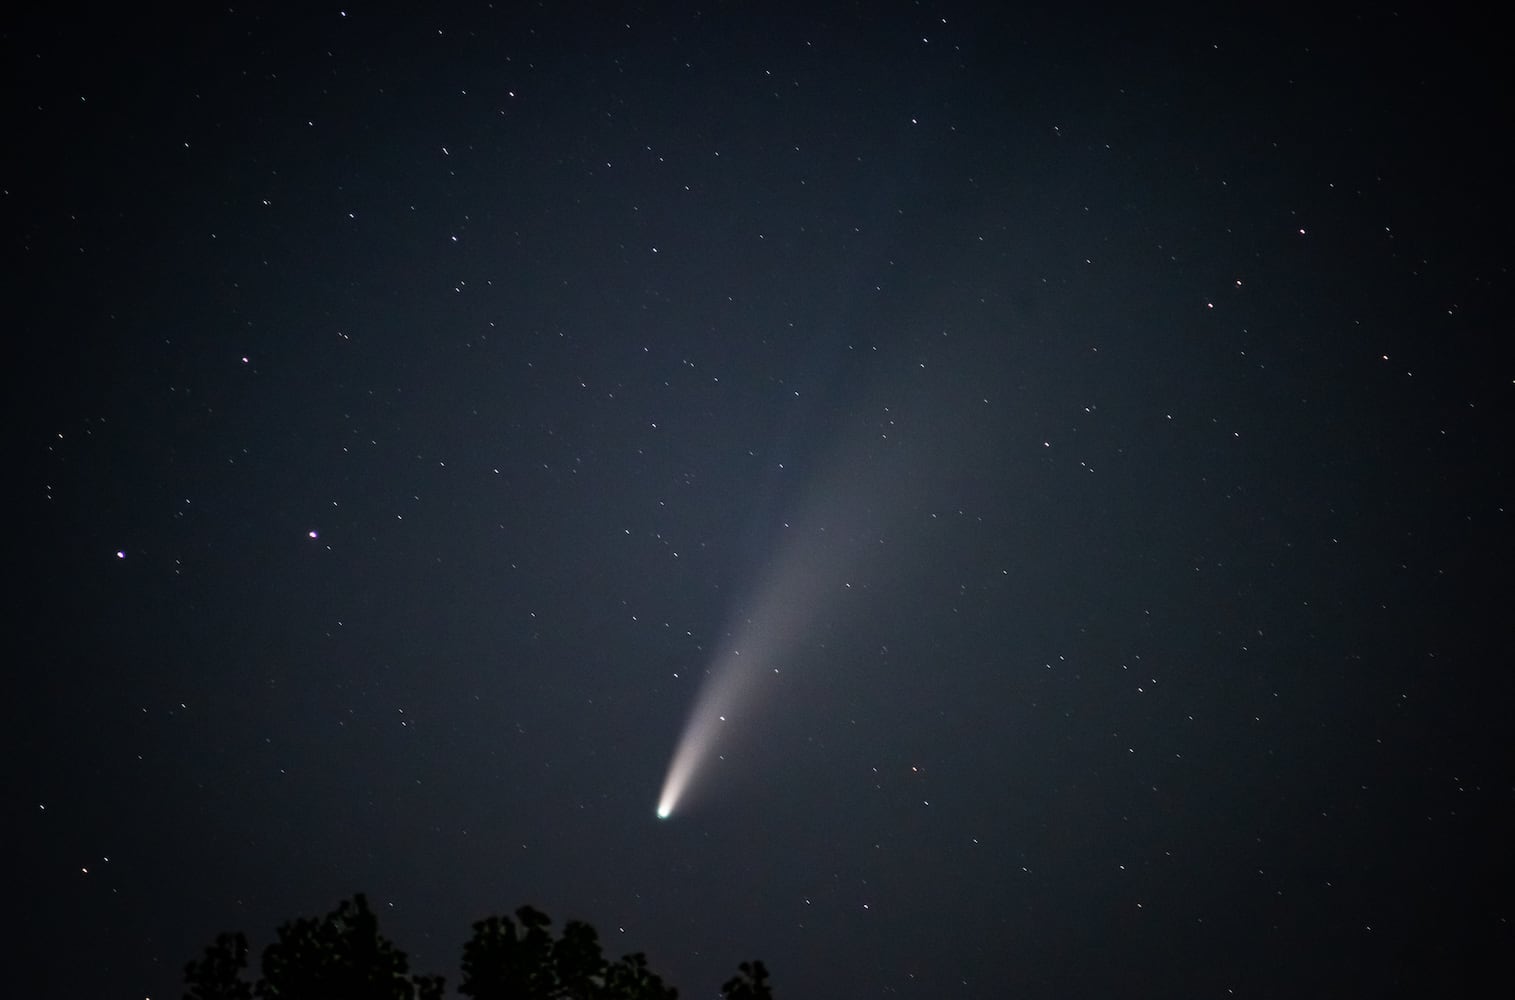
x,y
728,690
854,518
808,578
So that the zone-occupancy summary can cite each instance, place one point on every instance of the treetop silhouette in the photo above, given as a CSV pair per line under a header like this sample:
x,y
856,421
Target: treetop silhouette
x,y
342,956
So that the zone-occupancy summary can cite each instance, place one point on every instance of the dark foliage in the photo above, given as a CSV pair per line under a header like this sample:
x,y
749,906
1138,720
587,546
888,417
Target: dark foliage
x,y
506,960
218,976
341,956
344,957
750,983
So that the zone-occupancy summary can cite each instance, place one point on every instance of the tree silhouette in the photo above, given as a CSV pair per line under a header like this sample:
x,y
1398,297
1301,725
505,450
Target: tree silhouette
x,y
750,983
218,976
339,957
505,962
344,957
631,979
499,962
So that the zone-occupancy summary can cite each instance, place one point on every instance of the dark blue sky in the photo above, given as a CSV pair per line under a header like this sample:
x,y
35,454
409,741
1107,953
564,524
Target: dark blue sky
x,y
408,413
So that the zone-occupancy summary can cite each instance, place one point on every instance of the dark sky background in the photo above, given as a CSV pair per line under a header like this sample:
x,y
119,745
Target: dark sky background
x,y
406,413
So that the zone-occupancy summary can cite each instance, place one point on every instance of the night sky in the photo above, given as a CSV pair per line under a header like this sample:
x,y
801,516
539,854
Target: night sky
x,y
1056,468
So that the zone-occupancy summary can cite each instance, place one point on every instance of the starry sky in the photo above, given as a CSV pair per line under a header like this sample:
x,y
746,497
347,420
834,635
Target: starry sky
x,y
1072,451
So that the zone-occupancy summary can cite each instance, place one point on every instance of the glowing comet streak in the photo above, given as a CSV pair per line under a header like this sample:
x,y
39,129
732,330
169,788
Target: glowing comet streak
x,y
874,479
806,579
727,685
